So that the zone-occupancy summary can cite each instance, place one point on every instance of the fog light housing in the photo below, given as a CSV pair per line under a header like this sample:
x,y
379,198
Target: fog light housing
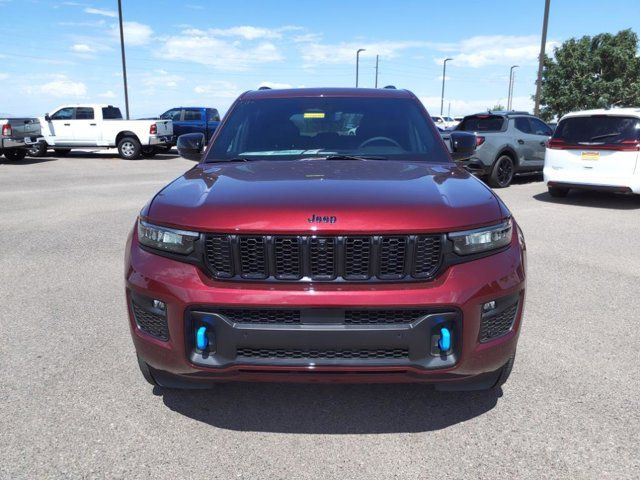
x,y
159,305
487,307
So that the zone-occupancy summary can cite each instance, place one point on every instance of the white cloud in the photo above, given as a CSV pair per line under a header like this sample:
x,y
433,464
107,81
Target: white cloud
x,y
317,53
82,48
307,38
59,86
207,49
99,11
483,50
247,32
218,89
159,79
466,107
134,33
4,76
107,94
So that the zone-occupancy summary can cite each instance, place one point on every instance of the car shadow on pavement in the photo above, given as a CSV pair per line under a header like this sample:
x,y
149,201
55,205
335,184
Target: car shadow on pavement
x,y
590,198
27,161
328,409
114,155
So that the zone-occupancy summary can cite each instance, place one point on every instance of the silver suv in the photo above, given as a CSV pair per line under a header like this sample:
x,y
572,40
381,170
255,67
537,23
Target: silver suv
x,y
508,143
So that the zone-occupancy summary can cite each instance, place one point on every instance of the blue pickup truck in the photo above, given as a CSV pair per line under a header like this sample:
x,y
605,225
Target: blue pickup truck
x,y
193,120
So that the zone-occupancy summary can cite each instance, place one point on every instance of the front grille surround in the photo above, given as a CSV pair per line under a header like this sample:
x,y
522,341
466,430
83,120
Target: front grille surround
x,y
349,258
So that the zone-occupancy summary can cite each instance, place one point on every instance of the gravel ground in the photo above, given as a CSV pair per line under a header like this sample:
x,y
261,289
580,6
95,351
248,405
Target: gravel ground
x,y
73,404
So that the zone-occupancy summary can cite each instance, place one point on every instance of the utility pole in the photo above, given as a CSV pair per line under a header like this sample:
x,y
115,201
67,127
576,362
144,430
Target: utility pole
x,y
377,57
543,43
444,73
124,61
511,82
358,63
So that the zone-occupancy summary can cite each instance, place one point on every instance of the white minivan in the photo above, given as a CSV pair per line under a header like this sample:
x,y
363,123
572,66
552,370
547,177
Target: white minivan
x,y
594,150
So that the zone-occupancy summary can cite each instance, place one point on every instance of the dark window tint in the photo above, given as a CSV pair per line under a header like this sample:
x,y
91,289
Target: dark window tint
x,y
482,123
192,115
598,129
173,114
277,128
63,114
212,115
538,127
84,113
111,113
522,124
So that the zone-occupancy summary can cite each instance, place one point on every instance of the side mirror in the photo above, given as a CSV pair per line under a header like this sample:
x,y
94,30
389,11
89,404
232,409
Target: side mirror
x,y
47,117
463,145
191,146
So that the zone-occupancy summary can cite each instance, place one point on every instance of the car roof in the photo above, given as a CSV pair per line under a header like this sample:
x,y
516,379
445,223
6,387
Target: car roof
x,y
327,92
621,112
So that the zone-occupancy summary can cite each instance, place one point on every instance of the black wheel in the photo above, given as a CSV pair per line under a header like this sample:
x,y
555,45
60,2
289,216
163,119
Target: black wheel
x,y
502,172
15,155
558,192
62,152
506,371
146,372
149,152
38,150
129,148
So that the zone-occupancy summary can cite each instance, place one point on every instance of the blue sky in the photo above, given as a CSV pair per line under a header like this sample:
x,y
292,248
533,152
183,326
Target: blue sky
x,y
206,53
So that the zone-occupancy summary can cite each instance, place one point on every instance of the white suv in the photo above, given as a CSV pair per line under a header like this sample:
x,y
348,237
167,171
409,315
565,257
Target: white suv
x,y
594,150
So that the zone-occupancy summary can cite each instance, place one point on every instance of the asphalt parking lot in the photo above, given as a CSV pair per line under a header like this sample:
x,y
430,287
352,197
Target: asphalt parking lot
x,y
74,405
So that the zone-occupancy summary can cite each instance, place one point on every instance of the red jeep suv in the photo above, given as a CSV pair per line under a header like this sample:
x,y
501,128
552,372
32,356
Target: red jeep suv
x,y
326,235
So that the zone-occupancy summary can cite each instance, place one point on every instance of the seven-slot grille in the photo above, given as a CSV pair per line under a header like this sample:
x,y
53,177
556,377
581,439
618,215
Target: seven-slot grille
x,y
323,258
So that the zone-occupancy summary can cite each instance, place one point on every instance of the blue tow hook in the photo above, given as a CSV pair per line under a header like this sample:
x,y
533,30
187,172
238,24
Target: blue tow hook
x,y
201,338
445,340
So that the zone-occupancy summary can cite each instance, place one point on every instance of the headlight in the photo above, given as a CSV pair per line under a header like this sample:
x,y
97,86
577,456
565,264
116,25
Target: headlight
x,y
482,239
167,239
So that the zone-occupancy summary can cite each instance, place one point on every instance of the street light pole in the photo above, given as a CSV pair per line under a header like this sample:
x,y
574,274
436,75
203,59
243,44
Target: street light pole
x,y
124,62
377,58
444,73
511,82
543,43
358,63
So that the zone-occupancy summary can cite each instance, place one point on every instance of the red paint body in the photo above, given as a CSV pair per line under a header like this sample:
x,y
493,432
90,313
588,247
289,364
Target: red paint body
x,y
372,197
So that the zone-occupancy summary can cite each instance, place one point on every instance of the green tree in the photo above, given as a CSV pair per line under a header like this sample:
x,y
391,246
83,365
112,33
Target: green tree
x,y
497,107
591,72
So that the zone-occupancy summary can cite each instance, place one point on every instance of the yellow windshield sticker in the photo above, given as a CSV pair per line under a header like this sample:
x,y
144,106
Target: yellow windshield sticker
x,y
590,155
313,114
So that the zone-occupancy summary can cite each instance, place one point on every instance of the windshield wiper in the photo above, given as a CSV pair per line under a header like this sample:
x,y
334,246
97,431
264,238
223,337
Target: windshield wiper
x,y
606,135
339,156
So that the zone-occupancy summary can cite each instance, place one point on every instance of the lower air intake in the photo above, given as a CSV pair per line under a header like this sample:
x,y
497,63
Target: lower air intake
x,y
296,354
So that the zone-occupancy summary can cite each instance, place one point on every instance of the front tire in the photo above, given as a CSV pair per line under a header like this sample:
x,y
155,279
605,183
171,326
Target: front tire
x,y
502,172
505,372
146,372
15,155
129,148
558,192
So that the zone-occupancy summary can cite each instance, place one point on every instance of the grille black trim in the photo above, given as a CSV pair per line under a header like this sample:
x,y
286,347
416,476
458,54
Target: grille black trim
x,y
354,258
304,354
151,323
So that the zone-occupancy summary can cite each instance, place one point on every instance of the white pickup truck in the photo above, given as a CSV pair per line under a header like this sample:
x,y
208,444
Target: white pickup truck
x,y
101,126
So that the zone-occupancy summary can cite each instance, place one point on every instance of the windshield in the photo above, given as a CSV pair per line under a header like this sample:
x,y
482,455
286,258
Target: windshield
x,y
290,128
599,129
482,123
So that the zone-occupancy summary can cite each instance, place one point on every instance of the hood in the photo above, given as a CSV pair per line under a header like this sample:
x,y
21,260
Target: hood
x,y
330,196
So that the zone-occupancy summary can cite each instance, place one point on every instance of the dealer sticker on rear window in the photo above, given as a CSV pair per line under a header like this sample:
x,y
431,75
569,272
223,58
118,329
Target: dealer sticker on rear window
x,y
590,155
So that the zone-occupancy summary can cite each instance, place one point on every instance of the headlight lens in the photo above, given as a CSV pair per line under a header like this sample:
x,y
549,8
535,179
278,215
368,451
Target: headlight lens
x,y
167,239
482,239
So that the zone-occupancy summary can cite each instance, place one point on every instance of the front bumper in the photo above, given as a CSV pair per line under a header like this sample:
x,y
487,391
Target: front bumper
x,y
322,347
